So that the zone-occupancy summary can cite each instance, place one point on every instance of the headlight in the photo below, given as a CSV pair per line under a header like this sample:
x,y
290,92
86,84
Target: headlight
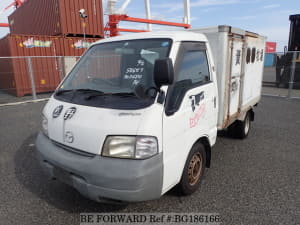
x,y
130,147
45,125
145,147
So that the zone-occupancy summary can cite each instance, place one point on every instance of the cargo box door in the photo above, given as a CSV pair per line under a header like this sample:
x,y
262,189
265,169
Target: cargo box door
x,y
235,76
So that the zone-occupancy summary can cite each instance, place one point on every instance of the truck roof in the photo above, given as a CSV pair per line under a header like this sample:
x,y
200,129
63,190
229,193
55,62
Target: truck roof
x,y
226,28
174,35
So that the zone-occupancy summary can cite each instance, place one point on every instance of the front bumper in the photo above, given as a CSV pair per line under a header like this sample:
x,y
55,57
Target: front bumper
x,y
102,178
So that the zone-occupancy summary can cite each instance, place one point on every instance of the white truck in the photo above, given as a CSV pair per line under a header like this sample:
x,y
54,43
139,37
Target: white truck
x,y
139,114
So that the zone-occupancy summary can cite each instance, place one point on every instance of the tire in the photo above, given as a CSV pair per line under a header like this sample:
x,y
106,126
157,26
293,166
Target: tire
x,y
193,170
240,129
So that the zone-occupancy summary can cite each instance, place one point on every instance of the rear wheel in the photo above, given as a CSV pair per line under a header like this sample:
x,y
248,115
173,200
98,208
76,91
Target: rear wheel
x,y
240,129
193,170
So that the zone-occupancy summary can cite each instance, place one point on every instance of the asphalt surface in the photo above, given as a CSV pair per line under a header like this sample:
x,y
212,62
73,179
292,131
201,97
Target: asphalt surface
x,y
251,181
269,74
9,98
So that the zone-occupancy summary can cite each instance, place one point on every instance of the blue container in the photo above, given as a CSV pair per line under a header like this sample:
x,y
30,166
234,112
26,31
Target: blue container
x,y
270,59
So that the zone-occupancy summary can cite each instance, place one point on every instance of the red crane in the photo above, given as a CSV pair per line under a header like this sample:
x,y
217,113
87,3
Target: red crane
x,y
115,19
116,16
16,4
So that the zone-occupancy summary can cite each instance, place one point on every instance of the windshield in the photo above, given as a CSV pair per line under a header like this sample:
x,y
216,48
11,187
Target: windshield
x,y
117,67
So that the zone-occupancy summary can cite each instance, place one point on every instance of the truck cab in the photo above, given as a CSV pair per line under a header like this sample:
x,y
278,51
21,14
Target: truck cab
x,y
136,116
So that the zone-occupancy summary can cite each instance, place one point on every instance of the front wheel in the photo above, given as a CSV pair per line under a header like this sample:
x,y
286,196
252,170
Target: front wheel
x,y
193,170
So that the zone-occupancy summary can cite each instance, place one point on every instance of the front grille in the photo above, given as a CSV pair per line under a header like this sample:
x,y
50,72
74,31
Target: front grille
x,y
74,150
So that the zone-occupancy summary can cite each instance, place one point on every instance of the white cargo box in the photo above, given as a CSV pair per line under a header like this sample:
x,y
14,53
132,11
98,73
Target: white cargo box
x,y
239,60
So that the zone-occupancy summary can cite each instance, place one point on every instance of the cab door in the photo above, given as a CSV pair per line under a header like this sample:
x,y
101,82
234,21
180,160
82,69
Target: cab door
x,y
190,109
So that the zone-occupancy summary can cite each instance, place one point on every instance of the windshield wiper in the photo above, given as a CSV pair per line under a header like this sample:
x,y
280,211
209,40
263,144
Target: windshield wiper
x,y
87,90
125,94
122,94
83,90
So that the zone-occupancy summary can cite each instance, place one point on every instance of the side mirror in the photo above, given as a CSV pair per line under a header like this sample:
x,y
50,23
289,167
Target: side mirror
x,y
163,72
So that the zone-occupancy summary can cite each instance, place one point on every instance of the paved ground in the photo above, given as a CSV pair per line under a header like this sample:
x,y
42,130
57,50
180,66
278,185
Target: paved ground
x,y
269,74
9,98
281,92
269,82
252,181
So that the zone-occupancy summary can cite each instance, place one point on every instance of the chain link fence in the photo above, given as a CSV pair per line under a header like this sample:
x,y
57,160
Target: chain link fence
x,y
36,77
282,74
32,78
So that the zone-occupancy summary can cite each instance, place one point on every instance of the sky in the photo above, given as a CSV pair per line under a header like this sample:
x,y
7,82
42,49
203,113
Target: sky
x,y
266,17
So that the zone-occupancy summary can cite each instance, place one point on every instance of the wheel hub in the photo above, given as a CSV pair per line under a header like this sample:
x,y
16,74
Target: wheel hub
x,y
247,124
195,168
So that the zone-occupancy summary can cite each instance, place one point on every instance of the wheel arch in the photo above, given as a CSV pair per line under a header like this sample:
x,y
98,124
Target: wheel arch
x,y
205,141
243,115
252,114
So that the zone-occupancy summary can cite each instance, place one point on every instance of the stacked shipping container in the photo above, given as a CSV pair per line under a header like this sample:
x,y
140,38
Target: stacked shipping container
x,y
47,70
270,56
271,47
46,30
58,17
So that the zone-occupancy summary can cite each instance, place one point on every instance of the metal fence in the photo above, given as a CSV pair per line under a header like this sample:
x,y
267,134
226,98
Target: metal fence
x,y
282,74
32,78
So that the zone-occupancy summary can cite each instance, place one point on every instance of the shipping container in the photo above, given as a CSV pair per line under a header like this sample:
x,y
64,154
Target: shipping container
x,y
72,48
76,46
271,47
6,67
270,59
48,66
58,17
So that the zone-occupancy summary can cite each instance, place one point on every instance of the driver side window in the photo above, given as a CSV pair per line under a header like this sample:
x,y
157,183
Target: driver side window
x,y
194,67
192,71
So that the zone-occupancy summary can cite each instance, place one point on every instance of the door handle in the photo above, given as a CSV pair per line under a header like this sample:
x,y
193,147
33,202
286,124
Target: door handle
x,y
215,101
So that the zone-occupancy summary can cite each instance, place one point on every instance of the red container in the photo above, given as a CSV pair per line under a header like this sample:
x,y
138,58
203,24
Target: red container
x,y
6,68
45,70
74,46
271,47
58,17
48,70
